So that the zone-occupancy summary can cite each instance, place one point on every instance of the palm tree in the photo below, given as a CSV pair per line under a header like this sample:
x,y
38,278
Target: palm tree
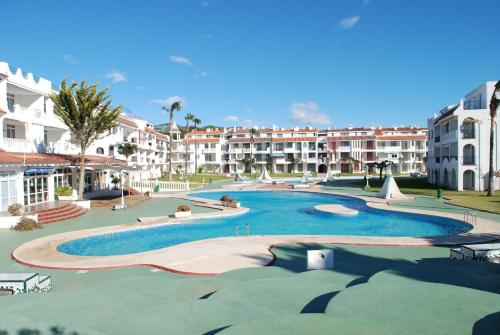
x,y
188,118
493,113
253,133
176,106
87,113
127,149
196,123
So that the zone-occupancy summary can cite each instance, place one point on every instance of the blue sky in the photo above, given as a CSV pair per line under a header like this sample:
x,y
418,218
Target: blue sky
x,y
264,62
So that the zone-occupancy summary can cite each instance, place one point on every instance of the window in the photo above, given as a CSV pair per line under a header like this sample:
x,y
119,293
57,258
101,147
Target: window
x,y
45,137
11,131
10,101
100,151
394,143
8,190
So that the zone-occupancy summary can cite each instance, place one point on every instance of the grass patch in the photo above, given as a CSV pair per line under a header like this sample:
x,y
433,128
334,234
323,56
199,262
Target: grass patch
x,y
279,175
420,186
198,179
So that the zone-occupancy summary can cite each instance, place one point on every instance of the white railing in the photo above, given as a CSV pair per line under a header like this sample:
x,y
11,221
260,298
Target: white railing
x,y
160,186
16,144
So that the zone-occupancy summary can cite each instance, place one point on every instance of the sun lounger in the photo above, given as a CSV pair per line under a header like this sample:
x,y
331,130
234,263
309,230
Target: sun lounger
x,y
482,252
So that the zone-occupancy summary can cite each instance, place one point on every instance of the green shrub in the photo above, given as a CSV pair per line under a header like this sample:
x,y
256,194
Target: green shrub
x,y
64,191
15,209
26,223
183,208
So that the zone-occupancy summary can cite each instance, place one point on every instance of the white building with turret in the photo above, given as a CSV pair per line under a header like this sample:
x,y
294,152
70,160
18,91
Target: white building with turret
x,y
459,143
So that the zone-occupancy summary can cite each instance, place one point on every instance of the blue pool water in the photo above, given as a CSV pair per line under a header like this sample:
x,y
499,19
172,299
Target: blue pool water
x,y
271,213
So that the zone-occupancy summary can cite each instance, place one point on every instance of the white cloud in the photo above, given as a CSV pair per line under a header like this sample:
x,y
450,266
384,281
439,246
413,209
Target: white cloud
x,y
116,76
231,118
70,59
250,123
306,113
170,100
365,3
187,62
348,22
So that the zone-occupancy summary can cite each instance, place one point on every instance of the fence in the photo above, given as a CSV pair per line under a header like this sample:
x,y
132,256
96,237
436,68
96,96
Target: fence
x,y
160,186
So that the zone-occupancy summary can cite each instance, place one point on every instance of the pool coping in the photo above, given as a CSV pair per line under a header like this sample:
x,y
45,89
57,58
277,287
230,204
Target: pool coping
x,y
217,255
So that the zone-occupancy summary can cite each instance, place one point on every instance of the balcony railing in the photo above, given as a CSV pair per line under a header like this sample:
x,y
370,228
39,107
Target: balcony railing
x,y
468,135
16,144
472,104
468,160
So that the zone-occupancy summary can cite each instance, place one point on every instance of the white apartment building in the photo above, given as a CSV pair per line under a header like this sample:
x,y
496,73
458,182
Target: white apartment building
x,y
36,152
309,149
459,143
350,148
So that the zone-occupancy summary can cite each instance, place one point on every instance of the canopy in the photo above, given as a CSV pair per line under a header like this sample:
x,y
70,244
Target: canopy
x,y
390,190
265,175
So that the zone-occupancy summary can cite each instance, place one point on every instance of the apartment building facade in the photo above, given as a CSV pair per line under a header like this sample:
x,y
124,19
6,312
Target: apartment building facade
x,y
459,143
36,150
297,150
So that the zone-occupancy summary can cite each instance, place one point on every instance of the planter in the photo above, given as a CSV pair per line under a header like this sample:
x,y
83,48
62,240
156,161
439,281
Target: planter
x,y
179,215
230,204
66,198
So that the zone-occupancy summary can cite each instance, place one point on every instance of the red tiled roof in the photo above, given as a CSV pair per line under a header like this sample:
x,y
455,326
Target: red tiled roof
x,y
204,132
201,140
401,137
274,139
156,133
375,129
32,158
127,121
347,138
2,111
270,130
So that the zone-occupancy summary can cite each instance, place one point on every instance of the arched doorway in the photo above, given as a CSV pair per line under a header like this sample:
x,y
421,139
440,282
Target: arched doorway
x,y
453,181
445,178
322,168
469,180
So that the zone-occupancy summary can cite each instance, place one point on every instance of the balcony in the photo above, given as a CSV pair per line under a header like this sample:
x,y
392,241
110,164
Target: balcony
x,y
468,134
468,160
473,104
16,144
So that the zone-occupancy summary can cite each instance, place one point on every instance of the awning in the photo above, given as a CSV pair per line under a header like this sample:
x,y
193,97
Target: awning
x,y
33,171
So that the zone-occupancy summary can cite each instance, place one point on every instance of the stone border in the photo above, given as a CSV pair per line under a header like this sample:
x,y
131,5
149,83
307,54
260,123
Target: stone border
x,y
213,256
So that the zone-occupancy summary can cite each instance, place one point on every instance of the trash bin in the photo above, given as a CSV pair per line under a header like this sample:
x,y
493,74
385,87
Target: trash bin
x,y
157,188
439,193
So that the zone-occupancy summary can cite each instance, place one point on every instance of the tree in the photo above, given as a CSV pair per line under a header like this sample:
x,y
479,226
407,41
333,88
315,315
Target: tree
x,y
494,103
380,166
196,123
188,118
127,149
176,106
253,133
87,113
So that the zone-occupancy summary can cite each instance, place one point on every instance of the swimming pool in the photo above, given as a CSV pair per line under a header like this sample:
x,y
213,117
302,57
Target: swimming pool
x,y
271,213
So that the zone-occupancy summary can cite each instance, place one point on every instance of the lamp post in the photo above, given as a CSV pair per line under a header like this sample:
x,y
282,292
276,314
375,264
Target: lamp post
x,y
367,176
121,182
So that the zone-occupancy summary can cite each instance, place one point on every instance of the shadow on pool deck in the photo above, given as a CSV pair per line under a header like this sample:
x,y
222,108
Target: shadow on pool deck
x,y
432,270
475,275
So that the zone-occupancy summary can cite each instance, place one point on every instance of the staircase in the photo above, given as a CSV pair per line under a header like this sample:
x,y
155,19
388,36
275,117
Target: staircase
x,y
61,212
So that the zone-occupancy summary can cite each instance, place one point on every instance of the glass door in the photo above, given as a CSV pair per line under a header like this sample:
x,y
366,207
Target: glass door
x,y
36,189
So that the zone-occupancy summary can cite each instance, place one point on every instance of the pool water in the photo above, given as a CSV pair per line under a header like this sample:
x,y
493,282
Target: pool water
x,y
271,213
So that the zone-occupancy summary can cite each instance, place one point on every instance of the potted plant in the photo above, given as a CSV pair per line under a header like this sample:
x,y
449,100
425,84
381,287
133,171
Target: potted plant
x,y
64,193
15,209
183,211
115,181
229,202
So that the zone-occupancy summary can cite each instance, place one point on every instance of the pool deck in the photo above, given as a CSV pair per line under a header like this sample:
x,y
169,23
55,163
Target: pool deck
x,y
218,255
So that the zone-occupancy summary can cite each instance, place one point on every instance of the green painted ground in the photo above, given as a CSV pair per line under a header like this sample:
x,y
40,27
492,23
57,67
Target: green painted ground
x,y
373,290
